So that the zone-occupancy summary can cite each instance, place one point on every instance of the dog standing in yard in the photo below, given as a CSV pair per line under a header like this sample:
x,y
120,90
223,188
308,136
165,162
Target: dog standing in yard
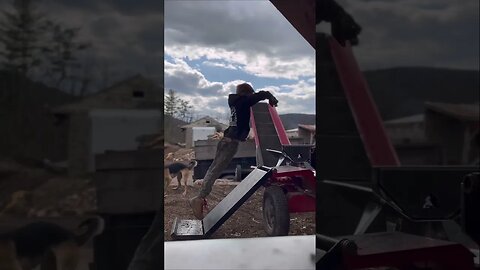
x,y
180,170
45,244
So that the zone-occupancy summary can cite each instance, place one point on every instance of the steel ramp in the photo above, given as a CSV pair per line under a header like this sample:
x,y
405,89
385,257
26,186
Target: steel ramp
x,y
268,131
188,229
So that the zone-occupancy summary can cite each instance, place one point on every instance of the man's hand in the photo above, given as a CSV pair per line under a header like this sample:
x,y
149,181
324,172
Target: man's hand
x,y
345,28
273,101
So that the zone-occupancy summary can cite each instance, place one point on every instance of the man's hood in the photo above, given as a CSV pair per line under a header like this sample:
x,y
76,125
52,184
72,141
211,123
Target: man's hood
x,y
232,99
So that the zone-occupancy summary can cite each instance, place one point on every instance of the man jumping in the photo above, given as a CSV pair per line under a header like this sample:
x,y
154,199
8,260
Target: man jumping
x,y
237,131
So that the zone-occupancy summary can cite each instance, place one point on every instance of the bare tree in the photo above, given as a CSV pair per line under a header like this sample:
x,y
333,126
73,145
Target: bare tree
x,y
105,74
184,110
61,54
29,40
177,107
85,79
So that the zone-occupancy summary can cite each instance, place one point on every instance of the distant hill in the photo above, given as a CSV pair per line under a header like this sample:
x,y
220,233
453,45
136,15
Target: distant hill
x,y
291,120
19,89
29,128
173,131
402,91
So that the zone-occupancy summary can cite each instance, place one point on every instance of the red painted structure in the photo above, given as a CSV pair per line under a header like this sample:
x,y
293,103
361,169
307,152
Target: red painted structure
x,y
298,183
402,251
254,127
379,149
391,250
277,122
301,14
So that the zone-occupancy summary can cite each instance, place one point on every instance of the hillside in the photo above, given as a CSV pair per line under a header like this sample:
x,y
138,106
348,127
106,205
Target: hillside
x,y
17,90
31,131
173,131
402,91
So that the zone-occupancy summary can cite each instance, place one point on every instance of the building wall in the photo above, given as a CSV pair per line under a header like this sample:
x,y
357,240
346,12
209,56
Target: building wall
x,y
438,140
201,133
449,133
119,129
173,130
406,132
78,143
188,137
306,136
32,134
96,131
136,92
419,154
474,153
207,122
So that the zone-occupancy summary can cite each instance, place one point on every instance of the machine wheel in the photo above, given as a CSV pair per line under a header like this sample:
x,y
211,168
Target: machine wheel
x,y
276,218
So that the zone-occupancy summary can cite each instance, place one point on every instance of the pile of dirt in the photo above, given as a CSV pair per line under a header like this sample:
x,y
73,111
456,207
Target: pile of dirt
x,y
28,191
246,222
182,154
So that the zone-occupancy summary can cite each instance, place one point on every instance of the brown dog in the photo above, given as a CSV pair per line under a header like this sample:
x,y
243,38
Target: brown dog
x,y
45,244
180,170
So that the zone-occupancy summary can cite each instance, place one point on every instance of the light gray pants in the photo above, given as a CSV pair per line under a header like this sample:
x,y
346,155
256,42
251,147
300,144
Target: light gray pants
x,y
226,149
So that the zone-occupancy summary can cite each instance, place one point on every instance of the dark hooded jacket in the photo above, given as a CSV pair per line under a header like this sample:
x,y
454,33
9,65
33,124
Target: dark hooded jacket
x,y
240,114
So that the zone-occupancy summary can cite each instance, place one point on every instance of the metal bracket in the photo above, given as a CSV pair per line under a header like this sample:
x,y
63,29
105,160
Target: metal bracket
x,y
370,212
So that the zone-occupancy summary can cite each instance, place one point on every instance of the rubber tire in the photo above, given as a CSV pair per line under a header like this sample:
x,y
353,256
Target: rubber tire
x,y
275,202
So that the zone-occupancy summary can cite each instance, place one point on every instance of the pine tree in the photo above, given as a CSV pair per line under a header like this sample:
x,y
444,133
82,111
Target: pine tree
x,y
21,31
177,107
171,103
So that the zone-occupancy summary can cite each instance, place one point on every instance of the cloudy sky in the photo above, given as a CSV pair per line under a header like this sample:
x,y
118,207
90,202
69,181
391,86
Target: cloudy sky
x,y
434,33
126,36
211,46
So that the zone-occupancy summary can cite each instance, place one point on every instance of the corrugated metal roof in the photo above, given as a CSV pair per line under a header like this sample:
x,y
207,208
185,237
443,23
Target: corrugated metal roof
x,y
310,128
467,112
200,123
119,96
416,118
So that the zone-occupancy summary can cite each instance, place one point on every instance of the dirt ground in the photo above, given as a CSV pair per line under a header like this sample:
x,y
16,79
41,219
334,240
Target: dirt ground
x,y
30,192
36,192
246,222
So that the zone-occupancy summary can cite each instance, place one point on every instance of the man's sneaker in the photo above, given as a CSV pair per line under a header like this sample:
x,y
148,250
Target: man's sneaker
x,y
197,206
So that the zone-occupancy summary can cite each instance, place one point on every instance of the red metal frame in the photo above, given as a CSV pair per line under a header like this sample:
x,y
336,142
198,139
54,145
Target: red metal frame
x,y
293,181
453,256
377,144
277,122
300,203
301,14
254,127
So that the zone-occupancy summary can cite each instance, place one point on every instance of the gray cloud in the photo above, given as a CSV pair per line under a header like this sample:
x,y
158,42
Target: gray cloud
x,y
126,36
417,33
233,25
252,37
188,81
